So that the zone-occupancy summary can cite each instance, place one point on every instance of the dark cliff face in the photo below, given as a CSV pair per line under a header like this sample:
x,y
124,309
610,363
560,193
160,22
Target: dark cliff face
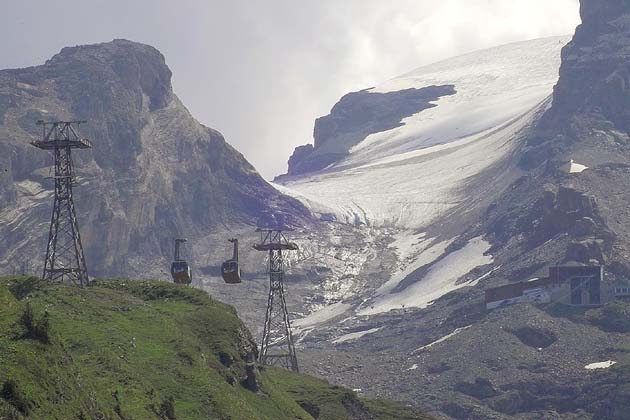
x,y
595,71
356,116
588,123
154,172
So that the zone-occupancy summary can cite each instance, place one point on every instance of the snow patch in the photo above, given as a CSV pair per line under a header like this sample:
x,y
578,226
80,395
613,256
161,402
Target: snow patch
x,y
407,245
493,86
440,280
319,317
413,367
576,168
440,340
409,190
355,335
428,254
600,365
30,187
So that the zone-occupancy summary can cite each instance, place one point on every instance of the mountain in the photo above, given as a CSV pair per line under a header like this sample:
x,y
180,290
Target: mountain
x,y
125,349
154,172
522,166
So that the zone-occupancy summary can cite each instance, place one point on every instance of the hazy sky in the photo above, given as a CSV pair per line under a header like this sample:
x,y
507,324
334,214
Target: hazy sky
x,y
261,71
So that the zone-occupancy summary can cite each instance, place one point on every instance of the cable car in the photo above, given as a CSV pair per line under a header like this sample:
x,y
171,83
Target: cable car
x,y
230,269
180,270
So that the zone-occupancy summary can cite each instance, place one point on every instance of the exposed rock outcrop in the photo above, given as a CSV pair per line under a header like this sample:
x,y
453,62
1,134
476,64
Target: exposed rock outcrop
x,y
356,116
588,121
595,72
535,337
481,388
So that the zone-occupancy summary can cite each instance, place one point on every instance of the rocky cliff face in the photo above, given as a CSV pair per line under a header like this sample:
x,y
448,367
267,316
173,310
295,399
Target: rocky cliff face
x,y
154,172
595,73
356,116
588,123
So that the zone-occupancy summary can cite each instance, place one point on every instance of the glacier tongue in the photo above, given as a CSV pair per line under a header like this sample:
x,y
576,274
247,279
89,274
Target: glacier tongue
x,y
410,176
410,190
493,87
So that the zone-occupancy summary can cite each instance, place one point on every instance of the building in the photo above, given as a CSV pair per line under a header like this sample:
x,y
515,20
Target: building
x,y
622,291
569,285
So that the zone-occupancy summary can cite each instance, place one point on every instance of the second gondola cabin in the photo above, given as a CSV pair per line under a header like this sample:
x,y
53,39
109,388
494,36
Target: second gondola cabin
x,y
230,269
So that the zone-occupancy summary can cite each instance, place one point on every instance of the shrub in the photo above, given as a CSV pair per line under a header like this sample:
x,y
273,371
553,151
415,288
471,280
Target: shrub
x,y
12,394
36,329
167,409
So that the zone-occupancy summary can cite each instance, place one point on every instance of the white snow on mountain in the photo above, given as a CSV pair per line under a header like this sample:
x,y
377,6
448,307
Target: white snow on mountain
x,y
417,177
440,279
320,316
600,365
577,168
355,335
493,87
426,255
408,176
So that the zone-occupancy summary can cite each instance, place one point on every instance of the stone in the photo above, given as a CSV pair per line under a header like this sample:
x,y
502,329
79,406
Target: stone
x,y
482,388
535,337
584,227
508,403
250,381
585,251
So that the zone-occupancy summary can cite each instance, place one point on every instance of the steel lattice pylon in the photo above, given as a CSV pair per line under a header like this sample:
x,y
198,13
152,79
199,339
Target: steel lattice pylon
x,y
64,261
277,348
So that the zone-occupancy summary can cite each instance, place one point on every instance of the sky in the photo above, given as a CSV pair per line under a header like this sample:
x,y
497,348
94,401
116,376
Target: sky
x,y
262,71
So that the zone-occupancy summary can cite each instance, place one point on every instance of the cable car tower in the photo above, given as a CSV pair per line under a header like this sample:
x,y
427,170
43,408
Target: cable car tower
x,y
64,261
277,348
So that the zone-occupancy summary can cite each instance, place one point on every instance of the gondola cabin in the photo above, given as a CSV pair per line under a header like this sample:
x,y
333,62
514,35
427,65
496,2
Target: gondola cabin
x,y
180,270
230,269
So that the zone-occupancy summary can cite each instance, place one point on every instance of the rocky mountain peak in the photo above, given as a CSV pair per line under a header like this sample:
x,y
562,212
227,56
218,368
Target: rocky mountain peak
x,y
595,72
139,67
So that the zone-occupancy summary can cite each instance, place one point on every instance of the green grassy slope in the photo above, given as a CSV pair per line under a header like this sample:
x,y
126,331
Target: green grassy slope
x,y
123,349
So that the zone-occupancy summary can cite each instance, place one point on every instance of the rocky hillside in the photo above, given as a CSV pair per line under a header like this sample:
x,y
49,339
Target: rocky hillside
x,y
124,349
583,212
153,174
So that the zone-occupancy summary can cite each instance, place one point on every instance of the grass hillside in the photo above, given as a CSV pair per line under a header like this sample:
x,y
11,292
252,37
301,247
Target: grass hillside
x,y
122,349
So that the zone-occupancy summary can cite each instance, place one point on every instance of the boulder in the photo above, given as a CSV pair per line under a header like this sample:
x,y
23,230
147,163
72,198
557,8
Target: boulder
x,y
584,227
481,389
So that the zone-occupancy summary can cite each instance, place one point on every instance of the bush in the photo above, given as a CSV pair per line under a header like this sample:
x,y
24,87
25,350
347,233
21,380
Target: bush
x,y
167,409
11,393
36,329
